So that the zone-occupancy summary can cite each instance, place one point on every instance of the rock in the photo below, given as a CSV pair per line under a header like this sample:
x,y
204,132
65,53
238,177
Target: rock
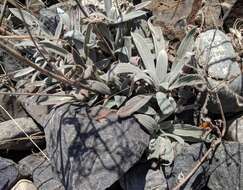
x,y
184,162
212,11
9,63
11,137
142,177
39,169
24,184
8,174
11,104
226,168
234,13
215,49
36,111
235,130
173,15
92,148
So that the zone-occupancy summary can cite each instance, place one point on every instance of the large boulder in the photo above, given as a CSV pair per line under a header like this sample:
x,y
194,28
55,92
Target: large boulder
x,y
92,148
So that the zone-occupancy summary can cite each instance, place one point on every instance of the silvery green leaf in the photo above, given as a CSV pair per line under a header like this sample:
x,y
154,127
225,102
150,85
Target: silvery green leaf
x,y
158,38
164,86
142,5
177,138
176,71
23,72
130,16
110,103
74,35
129,68
142,76
58,29
65,18
148,110
25,43
145,54
133,105
87,38
98,86
166,104
55,100
190,133
187,80
161,149
108,6
165,125
148,122
162,65
119,100
28,18
54,48
128,45
186,45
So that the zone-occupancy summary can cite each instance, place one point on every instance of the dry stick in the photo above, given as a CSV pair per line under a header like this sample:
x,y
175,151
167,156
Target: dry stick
x,y
222,115
34,94
25,61
199,163
21,129
82,9
18,37
3,11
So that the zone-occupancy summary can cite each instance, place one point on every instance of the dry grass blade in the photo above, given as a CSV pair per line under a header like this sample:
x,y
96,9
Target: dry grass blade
x,y
21,129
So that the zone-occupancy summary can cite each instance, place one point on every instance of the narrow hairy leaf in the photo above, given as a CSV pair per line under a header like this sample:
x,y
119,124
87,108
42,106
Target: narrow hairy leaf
x,y
98,86
133,105
54,48
142,5
161,149
108,6
187,80
192,133
176,71
148,110
144,52
162,65
130,16
185,46
87,38
28,18
23,72
166,105
158,38
55,100
148,122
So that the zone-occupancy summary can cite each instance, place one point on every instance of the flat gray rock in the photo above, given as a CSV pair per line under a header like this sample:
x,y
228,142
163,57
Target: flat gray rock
x,y
11,137
35,166
8,174
92,149
226,170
